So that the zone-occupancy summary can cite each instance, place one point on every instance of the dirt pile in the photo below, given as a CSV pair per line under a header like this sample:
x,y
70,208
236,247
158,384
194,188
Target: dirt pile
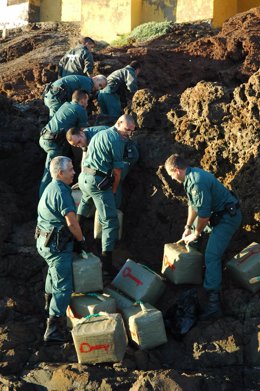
x,y
199,94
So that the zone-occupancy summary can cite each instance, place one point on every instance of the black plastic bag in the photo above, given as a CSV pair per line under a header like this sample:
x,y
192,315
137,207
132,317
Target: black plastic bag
x,y
183,315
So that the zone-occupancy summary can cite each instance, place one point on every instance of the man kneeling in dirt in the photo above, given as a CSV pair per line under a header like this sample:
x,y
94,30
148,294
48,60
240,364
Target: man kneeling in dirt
x,y
209,202
57,226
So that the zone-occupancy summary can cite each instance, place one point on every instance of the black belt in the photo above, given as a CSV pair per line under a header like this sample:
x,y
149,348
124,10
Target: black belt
x,y
46,134
222,212
92,171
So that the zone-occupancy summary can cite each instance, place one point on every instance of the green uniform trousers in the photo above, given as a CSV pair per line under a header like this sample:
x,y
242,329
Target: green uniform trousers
x,y
105,204
218,241
110,104
59,277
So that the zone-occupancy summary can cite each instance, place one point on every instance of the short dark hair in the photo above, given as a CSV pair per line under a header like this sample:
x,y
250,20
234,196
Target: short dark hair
x,y
78,95
135,64
175,161
72,132
84,40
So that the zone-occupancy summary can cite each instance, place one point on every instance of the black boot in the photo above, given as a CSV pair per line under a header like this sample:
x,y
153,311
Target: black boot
x,y
108,269
56,330
47,298
213,309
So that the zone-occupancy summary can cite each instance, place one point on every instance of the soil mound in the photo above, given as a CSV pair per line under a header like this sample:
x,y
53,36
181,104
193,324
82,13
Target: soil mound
x,y
199,94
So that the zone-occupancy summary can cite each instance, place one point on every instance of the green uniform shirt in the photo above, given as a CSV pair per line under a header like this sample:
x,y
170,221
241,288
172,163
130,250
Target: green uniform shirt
x,y
205,193
105,151
72,83
121,80
69,114
92,130
77,61
55,203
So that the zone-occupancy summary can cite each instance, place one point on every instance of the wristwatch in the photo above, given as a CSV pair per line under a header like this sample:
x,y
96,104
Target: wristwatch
x,y
187,226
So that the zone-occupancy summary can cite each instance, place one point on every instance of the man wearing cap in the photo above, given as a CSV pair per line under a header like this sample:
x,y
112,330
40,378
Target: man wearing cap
x,y
78,61
119,83
61,90
99,180
209,203
53,135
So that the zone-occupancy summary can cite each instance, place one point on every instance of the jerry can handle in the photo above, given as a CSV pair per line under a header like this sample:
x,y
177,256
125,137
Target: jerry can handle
x,y
142,305
97,295
92,316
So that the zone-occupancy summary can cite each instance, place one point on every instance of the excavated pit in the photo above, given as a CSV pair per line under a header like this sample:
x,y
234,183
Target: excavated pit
x,y
199,94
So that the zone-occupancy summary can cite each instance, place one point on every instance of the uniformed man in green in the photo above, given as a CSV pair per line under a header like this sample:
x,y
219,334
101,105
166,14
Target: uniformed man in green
x,y
100,178
209,203
53,135
78,61
61,90
81,138
119,83
57,226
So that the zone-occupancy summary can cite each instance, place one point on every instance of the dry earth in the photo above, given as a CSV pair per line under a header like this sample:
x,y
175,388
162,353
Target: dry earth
x,y
199,94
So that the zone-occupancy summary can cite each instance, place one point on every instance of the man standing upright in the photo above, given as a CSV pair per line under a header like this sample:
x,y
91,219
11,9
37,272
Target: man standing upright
x,y
78,61
119,83
209,202
100,178
57,226
53,135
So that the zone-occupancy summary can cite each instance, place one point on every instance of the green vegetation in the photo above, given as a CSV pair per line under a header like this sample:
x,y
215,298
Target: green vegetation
x,y
144,32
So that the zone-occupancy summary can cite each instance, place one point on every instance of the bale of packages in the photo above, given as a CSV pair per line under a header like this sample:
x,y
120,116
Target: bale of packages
x,y
98,226
82,305
145,325
121,300
139,282
87,273
244,268
100,338
182,264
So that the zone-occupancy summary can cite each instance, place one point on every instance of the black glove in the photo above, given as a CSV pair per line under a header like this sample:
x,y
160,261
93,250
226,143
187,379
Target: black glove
x,y
81,246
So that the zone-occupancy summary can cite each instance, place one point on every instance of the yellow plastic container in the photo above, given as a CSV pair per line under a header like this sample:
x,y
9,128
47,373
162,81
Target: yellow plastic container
x,y
182,264
100,338
98,226
91,303
245,266
87,273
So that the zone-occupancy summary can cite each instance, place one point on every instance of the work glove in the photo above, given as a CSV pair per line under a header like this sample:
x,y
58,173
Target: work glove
x,y
81,246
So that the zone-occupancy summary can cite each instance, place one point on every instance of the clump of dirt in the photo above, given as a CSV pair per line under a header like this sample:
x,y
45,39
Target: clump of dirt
x,y
199,94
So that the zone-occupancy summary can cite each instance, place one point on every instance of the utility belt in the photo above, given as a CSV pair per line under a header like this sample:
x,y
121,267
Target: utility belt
x,y
60,237
59,92
230,208
59,137
107,180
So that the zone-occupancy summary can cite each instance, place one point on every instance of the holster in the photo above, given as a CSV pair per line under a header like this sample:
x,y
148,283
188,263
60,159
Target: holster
x,y
230,208
64,236
59,137
60,93
107,182
48,235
